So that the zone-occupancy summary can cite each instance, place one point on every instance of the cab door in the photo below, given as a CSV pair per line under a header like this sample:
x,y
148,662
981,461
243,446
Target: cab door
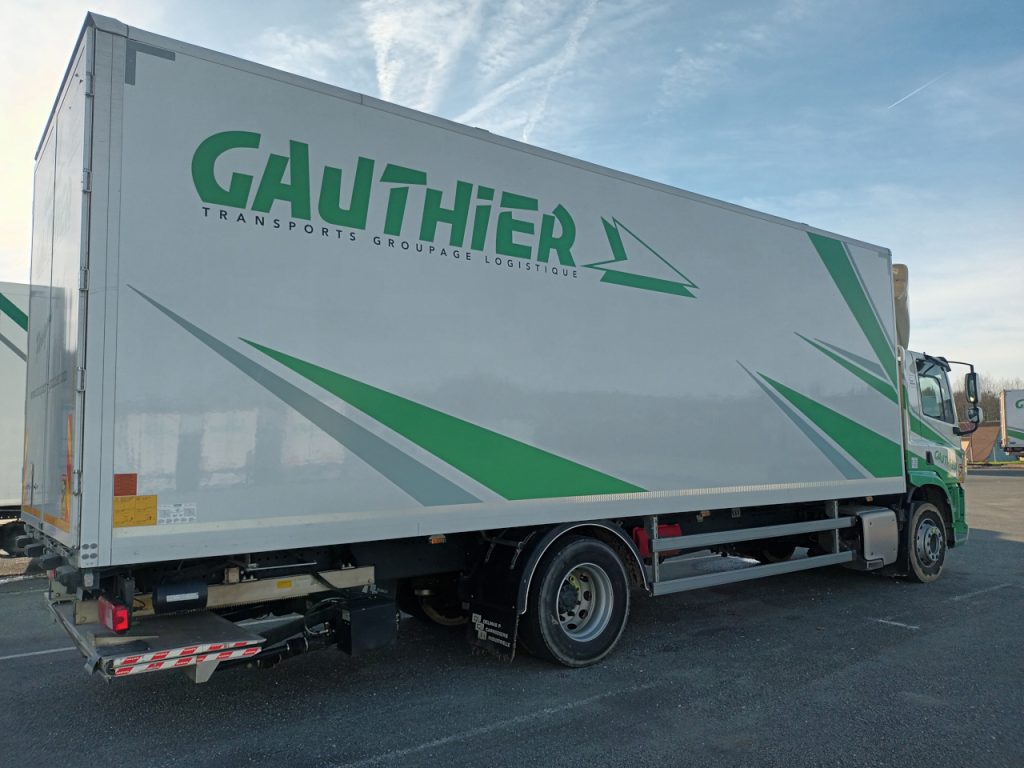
x,y
932,443
934,454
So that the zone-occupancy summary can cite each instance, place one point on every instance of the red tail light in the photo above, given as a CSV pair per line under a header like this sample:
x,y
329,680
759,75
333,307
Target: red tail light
x,y
113,615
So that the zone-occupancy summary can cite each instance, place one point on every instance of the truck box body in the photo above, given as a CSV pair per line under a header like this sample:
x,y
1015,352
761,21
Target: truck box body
x,y
1011,420
273,313
13,345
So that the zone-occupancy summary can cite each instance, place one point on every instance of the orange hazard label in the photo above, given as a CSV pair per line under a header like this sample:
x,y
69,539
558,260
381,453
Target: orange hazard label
x,y
134,510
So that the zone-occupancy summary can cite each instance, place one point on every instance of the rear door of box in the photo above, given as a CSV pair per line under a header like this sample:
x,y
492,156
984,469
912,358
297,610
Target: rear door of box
x,y
51,498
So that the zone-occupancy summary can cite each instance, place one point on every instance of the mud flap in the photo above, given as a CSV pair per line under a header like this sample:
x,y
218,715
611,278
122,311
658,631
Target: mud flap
x,y
494,592
493,630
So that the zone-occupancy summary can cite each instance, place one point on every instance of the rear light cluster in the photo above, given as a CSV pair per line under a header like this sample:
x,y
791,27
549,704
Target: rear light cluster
x,y
113,615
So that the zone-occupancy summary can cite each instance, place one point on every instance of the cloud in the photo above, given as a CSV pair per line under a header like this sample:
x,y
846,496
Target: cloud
x,y
543,52
564,59
36,42
979,102
416,45
530,48
722,44
317,56
964,258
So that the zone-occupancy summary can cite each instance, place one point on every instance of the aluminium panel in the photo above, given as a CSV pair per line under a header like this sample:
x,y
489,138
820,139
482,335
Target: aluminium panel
x,y
13,349
338,320
1011,419
53,412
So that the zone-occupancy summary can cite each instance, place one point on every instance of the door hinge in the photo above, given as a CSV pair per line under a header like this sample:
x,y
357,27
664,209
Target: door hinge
x,y
80,380
83,279
89,84
86,180
76,483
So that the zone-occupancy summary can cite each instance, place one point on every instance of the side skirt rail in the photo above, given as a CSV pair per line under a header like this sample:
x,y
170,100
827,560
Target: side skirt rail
x,y
686,583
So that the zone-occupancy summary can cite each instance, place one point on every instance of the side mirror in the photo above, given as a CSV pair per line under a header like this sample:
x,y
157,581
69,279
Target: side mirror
x,y
971,387
974,414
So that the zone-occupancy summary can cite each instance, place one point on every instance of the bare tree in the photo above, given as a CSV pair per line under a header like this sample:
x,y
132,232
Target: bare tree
x,y
988,397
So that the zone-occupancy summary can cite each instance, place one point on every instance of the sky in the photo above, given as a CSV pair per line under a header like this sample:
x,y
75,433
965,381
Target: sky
x,y
898,123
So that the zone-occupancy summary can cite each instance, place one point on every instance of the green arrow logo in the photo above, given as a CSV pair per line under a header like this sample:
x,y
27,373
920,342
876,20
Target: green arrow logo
x,y
640,268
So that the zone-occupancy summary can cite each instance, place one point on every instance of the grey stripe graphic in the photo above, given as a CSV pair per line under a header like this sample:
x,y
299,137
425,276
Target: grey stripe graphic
x,y
848,470
133,47
871,301
11,346
863,362
419,481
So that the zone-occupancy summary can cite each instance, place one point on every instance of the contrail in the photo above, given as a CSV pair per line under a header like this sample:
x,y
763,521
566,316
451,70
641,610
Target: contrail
x,y
569,52
916,90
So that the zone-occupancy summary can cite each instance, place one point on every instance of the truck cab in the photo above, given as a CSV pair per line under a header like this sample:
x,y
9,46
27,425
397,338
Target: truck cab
x,y
936,462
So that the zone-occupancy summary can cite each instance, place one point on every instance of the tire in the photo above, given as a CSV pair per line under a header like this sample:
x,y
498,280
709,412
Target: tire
x,y
9,533
924,543
578,603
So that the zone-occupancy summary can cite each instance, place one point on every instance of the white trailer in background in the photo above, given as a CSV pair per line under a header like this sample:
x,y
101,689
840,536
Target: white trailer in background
x,y
1011,420
300,352
13,347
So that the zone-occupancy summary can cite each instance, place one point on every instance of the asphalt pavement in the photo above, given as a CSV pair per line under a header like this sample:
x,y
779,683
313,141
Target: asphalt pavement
x,y
823,668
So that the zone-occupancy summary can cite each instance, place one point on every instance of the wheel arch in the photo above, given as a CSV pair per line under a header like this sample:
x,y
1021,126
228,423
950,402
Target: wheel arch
x,y
934,493
602,530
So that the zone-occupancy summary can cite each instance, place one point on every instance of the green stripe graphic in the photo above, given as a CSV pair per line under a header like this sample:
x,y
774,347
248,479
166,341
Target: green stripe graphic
x,y
921,429
14,312
1016,434
619,256
508,467
414,478
884,387
647,283
878,455
836,260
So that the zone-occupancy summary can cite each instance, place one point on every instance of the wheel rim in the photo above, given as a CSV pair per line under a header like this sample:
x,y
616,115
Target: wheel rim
x,y
585,602
929,543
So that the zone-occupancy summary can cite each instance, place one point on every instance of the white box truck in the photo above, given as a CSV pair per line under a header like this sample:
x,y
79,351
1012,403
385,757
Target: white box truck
x,y
1011,420
298,352
13,338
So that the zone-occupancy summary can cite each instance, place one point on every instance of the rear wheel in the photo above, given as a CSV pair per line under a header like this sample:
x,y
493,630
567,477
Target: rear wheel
x,y
924,543
578,603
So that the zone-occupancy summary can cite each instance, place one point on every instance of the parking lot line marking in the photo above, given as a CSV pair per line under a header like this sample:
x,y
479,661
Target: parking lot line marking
x,y
388,757
36,653
896,623
969,595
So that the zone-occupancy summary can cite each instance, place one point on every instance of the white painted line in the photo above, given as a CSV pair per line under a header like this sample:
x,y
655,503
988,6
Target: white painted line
x,y
896,623
969,595
36,653
389,758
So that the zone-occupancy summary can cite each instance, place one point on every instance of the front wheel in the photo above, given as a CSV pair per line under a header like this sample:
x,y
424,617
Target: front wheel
x,y
924,543
578,603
